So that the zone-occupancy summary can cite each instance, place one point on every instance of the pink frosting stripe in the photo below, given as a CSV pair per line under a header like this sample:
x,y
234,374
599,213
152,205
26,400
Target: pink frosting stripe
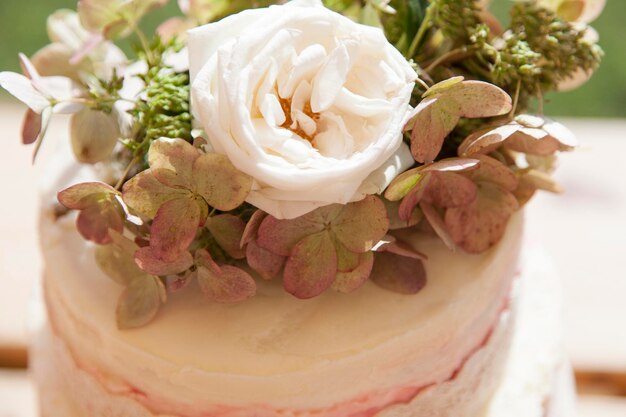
x,y
368,405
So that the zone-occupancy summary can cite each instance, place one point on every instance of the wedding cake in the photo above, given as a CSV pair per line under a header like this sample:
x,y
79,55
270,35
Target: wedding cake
x,y
304,209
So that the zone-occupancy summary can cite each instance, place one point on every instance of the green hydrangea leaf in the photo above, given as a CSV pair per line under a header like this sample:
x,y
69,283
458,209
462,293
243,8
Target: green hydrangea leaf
x,y
360,225
312,266
219,182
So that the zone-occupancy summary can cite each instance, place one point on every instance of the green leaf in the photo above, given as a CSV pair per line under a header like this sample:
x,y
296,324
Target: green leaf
x,y
228,231
144,194
217,180
361,225
404,275
312,266
139,302
171,161
348,281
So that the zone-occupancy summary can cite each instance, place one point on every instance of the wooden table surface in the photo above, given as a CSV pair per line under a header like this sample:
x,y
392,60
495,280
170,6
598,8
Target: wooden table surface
x,y
584,231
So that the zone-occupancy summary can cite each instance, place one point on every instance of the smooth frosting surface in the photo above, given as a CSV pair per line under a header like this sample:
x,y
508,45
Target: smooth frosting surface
x,y
275,351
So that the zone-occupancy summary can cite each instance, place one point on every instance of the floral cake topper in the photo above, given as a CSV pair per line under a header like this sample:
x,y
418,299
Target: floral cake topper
x,y
294,141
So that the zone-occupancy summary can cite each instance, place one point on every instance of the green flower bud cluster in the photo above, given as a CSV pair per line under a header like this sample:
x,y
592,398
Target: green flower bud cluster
x,y
540,50
456,19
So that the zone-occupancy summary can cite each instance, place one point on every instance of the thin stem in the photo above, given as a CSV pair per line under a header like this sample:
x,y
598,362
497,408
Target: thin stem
x,y
459,53
145,44
540,97
422,83
518,90
132,163
419,36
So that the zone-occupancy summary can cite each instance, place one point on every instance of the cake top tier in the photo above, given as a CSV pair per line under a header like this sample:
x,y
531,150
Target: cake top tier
x,y
299,140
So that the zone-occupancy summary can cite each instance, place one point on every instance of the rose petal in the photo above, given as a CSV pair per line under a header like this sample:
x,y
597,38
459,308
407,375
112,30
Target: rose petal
x,y
139,303
171,161
144,194
349,281
398,273
312,266
174,228
228,231
264,262
359,226
153,264
219,182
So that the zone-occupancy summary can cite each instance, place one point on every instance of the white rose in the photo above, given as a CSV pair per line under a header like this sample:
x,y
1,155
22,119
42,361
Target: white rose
x,y
307,102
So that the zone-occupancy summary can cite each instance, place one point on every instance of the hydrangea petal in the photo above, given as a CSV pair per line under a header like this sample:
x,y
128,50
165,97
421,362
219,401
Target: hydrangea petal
x,y
94,222
22,88
480,225
438,224
436,118
223,284
171,161
174,227
252,227
152,263
31,127
117,259
349,281
448,189
312,266
81,196
480,99
219,182
264,262
493,171
404,275
280,236
93,135
139,302
144,194
361,225
228,231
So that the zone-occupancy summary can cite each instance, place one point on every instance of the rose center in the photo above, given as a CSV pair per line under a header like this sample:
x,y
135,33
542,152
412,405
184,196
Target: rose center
x,y
285,104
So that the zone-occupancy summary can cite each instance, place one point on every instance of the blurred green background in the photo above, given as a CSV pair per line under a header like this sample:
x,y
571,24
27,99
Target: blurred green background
x,y
23,28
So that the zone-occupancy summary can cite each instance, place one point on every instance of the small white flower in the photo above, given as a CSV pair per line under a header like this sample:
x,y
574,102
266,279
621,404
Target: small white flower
x,y
304,100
